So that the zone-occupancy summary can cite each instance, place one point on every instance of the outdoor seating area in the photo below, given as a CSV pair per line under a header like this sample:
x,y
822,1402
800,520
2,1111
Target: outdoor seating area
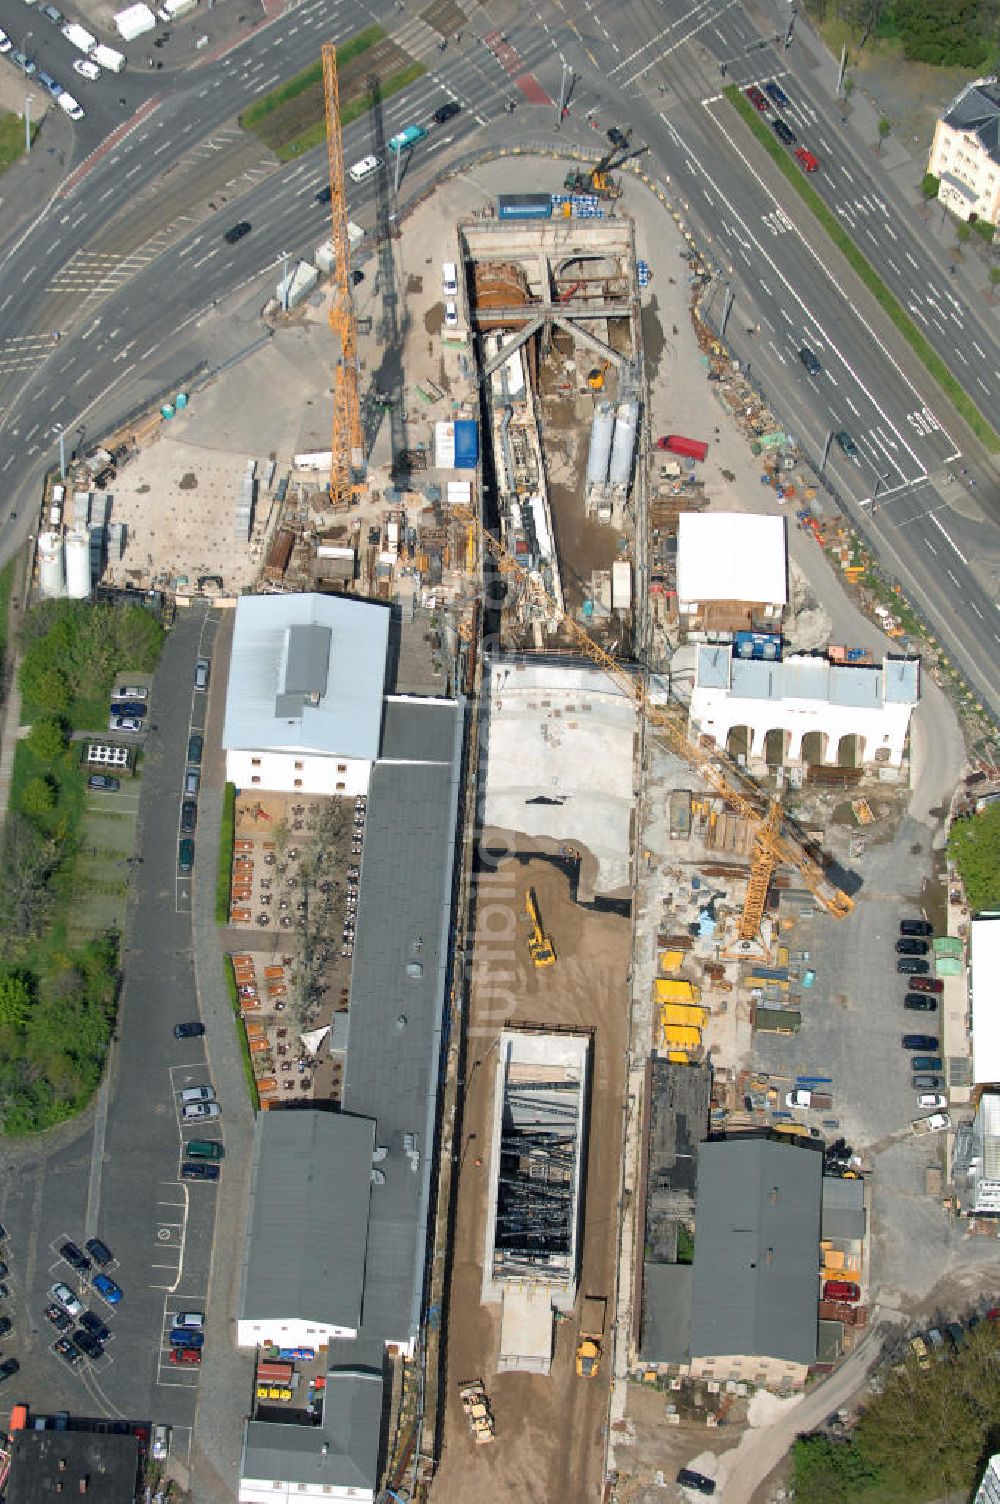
x,y
283,1065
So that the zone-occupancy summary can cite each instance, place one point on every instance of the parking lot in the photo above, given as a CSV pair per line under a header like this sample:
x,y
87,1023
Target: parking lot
x,y
115,1173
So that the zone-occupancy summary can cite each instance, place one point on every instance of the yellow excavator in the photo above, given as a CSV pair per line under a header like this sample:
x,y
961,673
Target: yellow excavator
x,y
590,1348
595,379
540,947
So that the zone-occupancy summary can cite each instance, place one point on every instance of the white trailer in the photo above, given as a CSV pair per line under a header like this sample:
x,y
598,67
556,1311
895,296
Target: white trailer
x,y
109,58
80,37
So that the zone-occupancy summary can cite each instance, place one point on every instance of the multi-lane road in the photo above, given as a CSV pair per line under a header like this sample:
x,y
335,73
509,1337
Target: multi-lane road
x,y
100,291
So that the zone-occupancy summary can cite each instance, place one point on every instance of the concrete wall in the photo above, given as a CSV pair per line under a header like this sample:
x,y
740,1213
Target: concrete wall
x,y
297,772
715,713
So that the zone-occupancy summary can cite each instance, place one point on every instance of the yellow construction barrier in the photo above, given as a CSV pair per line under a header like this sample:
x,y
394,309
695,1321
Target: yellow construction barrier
x,y
678,1037
692,1014
671,960
675,990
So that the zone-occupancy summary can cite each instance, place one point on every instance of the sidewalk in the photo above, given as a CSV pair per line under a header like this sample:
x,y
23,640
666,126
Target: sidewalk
x,y
11,721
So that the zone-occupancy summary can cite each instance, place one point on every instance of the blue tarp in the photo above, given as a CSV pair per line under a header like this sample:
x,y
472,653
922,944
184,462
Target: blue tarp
x,y
466,444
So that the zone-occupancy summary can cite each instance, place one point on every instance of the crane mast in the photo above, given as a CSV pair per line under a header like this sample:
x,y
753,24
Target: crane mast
x,y
347,446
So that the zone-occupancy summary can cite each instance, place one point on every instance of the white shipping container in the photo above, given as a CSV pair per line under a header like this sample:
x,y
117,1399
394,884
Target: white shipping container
x,y
444,445
459,493
621,585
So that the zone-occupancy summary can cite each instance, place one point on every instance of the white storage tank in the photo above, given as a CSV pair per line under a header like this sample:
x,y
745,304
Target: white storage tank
x,y
51,581
626,423
77,566
600,444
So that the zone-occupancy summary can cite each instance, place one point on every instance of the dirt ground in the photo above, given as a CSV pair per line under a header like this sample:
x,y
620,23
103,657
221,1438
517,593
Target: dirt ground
x,y
549,1430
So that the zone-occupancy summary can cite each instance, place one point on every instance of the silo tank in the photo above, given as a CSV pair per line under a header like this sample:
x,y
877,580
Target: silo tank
x,y
600,444
77,566
626,422
51,581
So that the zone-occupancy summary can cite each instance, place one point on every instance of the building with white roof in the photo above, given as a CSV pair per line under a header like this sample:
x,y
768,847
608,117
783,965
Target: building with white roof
x,y
304,702
977,1161
984,973
731,572
804,709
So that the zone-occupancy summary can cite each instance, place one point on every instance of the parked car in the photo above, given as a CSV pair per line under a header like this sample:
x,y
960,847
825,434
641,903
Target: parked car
x,y
64,1297
6,1326
88,1344
201,672
51,14
193,1319
182,1336
927,1063
75,1256
926,984
756,98
920,1042
49,84
915,927
197,1094
196,745
199,1112
199,1171
58,1317
924,1082
185,856
910,947
921,1002
160,1443
107,1289
99,1252
193,1030
185,1355
104,782
189,815
25,64
124,723
932,1099
86,68
5,42
205,1148
68,1351
8,1368
688,1478
131,692
192,782
912,966
134,708
95,1326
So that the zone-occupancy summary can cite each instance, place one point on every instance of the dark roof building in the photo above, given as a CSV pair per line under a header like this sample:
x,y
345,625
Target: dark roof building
x,y
756,1259
99,1466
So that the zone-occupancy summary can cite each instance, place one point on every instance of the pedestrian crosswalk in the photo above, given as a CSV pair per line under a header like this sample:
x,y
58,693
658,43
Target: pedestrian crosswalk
x,y
95,273
22,352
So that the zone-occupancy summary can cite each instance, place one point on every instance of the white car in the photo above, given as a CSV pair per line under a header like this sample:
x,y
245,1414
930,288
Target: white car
x,y
119,722
932,1099
364,169
75,112
197,1112
63,1296
5,42
193,1320
86,69
450,316
160,1445
197,1094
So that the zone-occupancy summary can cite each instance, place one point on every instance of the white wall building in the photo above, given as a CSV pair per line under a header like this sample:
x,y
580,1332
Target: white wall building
x,y
731,572
965,152
981,1198
825,712
984,974
304,702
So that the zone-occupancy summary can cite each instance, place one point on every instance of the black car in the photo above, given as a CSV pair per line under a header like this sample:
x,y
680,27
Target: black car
x,y
237,232
128,707
908,947
75,1256
192,1170
58,1317
618,138
88,1344
4,1270
99,1252
196,746
188,1031
67,1350
446,112
783,132
92,1323
912,966
922,1082
920,1042
690,1479
189,815
357,276
809,360
6,1326
185,856
915,927
776,93
324,195
9,1368
846,443
920,1002
104,781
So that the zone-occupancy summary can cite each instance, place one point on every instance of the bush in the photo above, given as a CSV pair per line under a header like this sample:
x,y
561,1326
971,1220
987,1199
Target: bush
x,y
974,847
929,185
71,652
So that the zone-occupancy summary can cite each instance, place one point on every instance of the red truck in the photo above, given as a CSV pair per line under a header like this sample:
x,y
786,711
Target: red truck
x,y
676,443
841,1289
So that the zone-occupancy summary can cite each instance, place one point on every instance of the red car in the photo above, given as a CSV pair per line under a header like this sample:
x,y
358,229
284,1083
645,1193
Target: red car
x,y
185,1355
806,158
756,98
841,1289
925,984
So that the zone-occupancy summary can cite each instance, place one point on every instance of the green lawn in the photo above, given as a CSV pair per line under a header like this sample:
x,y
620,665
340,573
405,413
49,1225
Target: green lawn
x,y
227,836
6,590
315,134
921,347
12,138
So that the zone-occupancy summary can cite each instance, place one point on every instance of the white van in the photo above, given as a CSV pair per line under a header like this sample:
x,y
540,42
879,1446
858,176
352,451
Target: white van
x,y
69,104
449,278
363,169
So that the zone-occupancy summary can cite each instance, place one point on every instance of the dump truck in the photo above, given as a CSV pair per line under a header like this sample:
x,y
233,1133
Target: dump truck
x,y
540,947
679,443
476,1405
590,1347
936,1123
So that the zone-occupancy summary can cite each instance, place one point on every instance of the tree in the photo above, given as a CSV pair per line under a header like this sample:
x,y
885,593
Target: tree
x,y
974,847
43,684
994,275
963,232
929,185
884,129
831,1472
15,1000
47,740
38,798
848,86
28,861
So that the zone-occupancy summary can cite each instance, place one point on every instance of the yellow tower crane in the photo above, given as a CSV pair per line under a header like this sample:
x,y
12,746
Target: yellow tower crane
x,y
347,457
775,839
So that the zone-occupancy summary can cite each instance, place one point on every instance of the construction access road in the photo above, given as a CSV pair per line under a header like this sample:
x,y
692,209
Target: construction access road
x,y
550,1430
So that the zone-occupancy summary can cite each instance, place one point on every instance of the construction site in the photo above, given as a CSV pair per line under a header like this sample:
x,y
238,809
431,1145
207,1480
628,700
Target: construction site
x,y
644,868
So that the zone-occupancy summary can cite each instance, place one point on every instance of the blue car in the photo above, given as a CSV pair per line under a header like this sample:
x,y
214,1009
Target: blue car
x,y
48,82
107,1289
182,1336
776,93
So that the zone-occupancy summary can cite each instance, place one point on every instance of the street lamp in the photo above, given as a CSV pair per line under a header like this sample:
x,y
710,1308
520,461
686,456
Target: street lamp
x,y
27,121
62,451
284,281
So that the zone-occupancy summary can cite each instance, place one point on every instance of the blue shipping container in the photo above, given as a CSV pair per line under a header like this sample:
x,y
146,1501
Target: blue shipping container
x,y
466,444
524,206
